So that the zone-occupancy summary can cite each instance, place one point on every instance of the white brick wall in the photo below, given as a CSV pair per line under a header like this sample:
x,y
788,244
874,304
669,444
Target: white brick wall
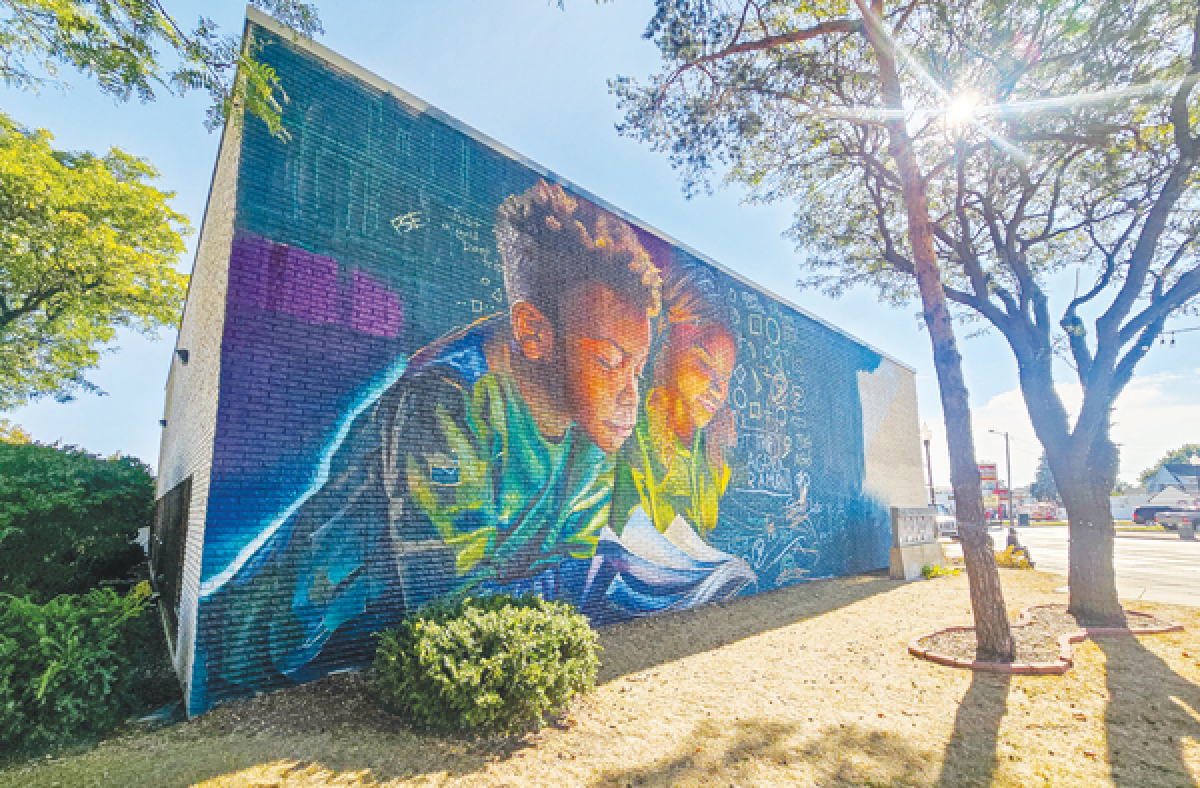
x,y
895,470
193,388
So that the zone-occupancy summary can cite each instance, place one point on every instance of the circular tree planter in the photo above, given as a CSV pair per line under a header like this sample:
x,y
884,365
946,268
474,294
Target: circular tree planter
x,y
947,646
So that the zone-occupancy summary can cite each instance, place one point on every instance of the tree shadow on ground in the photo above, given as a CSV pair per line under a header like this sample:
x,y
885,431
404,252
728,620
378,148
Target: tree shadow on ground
x,y
1151,709
970,758
760,751
690,632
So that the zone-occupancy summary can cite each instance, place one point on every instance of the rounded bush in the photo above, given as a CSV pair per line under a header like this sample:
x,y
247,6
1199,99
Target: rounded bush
x,y
497,664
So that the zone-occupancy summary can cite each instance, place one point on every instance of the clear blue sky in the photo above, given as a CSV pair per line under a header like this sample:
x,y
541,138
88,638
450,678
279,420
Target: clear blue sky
x,y
535,78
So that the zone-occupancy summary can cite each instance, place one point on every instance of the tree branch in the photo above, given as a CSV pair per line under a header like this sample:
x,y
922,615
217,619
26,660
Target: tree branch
x,y
784,39
1124,369
1163,304
1142,255
905,13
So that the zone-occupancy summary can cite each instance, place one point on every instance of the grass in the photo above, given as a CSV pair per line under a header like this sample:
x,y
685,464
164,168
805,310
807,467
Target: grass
x,y
808,686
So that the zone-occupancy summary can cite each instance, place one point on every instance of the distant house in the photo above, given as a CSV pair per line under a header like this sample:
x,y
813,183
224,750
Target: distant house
x,y
1184,475
1172,495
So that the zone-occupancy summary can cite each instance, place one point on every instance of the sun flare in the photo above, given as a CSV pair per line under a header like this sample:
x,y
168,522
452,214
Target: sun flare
x,y
962,110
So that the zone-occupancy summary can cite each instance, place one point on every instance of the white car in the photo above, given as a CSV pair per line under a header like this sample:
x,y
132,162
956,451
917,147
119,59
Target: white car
x,y
947,525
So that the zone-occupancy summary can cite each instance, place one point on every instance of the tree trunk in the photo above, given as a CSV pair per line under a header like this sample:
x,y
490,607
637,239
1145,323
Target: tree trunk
x,y
1084,480
1085,492
993,636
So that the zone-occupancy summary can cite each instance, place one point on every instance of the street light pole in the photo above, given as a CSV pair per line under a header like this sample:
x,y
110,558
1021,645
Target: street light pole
x,y
926,436
1008,472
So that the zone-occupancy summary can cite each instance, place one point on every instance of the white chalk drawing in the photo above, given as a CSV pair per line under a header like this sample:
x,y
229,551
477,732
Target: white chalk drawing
x,y
408,222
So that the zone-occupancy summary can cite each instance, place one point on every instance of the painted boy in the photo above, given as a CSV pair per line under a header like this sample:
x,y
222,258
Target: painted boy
x,y
488,466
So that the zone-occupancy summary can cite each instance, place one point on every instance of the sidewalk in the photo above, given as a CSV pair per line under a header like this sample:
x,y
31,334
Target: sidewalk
x,y
1124,531
1169,536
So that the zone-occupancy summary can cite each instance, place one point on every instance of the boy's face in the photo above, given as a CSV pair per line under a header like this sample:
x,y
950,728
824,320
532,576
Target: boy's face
x,y
606,341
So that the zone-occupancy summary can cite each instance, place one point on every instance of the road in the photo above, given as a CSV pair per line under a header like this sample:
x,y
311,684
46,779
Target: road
x,y
1155,566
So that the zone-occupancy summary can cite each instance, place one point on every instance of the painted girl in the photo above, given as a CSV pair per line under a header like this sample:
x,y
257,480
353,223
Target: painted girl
x,y
675,464
671,474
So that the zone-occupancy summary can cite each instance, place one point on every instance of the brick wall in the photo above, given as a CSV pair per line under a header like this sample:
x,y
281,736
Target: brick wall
x,y
192,388
395,425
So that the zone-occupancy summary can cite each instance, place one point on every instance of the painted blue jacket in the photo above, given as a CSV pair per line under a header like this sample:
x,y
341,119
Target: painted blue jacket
x,y
443,486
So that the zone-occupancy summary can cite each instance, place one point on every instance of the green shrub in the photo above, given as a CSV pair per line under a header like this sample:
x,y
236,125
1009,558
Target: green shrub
x,y
494,665
66,667
67,519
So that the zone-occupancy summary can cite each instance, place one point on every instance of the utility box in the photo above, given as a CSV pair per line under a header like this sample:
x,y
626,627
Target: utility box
x,y
1187,529
914,542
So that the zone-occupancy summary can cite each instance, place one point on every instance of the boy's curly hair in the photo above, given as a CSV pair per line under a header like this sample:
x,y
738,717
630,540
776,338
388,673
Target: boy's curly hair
x,y
551,242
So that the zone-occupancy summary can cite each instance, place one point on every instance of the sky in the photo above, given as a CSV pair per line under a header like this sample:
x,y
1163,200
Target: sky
x,y
535,78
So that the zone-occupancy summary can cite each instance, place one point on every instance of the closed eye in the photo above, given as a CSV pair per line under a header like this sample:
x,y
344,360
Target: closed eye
x,y
608,363
608,354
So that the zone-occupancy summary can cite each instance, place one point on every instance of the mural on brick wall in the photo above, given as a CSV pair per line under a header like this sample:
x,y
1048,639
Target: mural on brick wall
x,y
445,374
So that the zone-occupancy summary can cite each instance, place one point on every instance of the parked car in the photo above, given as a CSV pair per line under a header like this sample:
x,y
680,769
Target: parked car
x,y
1146,514
1173,518
947,525
1044,510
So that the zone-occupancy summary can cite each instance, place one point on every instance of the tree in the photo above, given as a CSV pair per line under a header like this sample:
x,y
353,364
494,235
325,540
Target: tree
x,y
67,518
1184,454
86,246
117,43
1043,488
791,97
1047,136
1079,151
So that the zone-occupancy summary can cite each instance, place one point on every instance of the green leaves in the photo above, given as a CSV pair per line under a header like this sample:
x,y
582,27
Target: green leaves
x,y
495,664
67,518
117,42
1072,125
86,246
66,667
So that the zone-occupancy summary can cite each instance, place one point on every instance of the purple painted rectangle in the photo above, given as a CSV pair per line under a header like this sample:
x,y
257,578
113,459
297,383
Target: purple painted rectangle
x,y
286,279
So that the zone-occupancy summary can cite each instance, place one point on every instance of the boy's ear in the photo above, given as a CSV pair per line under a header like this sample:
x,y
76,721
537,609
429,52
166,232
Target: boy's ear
x,y
532,331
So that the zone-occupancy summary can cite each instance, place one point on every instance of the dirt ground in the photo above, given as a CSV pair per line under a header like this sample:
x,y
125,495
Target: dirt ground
x,y
808,686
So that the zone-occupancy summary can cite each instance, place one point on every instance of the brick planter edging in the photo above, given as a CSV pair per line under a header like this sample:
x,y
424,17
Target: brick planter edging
x,y
1057,667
